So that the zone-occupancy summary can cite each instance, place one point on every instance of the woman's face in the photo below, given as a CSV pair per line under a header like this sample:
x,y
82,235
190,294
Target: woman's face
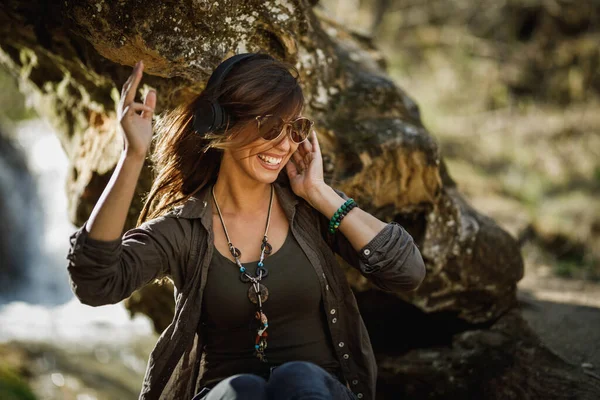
x,y
262,160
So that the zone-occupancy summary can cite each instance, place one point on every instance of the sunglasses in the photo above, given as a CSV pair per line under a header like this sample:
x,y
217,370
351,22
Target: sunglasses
x,y
270,127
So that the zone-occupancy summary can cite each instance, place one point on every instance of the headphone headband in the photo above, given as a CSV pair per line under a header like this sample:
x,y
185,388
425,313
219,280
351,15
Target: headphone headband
x,y
219,74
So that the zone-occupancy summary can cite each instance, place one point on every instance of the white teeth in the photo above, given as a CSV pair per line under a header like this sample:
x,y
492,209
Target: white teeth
x,y
270,160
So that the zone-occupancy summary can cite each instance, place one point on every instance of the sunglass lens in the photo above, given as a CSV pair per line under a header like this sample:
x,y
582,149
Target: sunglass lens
x,y
270,127
301,129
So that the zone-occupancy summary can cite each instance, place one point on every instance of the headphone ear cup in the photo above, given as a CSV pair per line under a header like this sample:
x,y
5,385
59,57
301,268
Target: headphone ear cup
x,y
220,116
209,116
204,117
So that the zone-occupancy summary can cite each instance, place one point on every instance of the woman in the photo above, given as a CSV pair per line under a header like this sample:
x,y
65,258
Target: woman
x,y
262,308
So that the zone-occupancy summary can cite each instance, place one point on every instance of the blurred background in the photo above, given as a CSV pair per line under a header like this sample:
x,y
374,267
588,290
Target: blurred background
x,y
510,89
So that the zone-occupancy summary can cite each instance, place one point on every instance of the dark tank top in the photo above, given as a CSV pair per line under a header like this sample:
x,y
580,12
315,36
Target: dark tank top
x,y
297,326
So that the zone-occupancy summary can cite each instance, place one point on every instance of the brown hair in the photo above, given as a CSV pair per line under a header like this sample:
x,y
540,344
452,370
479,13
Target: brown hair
x,y
186,161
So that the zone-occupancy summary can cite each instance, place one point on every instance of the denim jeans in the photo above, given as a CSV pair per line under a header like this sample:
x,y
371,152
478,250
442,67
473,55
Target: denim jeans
x,y
296,380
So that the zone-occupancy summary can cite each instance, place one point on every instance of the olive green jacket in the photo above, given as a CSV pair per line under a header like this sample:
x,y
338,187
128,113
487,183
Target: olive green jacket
x,y
180,245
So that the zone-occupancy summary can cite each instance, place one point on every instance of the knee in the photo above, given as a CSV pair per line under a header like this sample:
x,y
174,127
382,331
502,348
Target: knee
x,y
298,380
248,383
296,371
244,386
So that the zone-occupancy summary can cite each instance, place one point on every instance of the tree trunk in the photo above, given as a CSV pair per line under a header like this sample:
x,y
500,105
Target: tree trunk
x,y
73,56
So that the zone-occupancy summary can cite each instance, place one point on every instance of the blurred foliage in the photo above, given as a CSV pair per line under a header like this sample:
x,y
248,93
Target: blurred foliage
x,y
102,371
12,386
13,107
13,373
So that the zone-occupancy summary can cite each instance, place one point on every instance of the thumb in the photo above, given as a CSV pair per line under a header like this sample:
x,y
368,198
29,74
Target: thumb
x,y
149,101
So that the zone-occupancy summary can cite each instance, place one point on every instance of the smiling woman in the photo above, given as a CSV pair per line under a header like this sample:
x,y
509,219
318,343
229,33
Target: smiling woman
x,y
262,308
250,89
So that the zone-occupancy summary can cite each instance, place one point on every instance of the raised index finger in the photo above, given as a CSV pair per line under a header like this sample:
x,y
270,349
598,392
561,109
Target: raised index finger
x,y
137,77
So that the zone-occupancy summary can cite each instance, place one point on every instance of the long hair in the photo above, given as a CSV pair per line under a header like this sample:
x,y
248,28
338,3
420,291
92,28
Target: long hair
x,y
185,161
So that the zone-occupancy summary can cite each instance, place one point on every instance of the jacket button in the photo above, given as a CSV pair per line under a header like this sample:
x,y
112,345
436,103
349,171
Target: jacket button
x,y
367,252
334,320
346,356
326,287
360,395
332,311
355,381
341,344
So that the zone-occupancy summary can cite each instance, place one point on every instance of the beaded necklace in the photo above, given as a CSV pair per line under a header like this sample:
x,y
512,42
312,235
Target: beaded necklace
x,y
257,293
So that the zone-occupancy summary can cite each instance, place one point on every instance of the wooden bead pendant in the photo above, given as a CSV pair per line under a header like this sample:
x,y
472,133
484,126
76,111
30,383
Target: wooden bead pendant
x,y
253,295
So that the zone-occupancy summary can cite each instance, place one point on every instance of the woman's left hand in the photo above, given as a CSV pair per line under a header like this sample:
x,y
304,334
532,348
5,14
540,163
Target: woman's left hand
x,y
306,170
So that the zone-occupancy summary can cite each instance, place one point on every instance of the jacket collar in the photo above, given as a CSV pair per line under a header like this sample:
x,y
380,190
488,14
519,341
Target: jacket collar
x,y
200,205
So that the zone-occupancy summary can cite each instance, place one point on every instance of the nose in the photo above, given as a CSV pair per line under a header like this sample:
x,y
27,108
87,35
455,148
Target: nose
x,y
285,143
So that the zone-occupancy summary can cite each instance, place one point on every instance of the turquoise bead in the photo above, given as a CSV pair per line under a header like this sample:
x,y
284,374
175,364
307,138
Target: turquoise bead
x,y
260,264
256,346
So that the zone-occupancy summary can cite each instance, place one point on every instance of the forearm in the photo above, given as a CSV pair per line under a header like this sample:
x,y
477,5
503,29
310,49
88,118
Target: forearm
x,y
107,219
384,252
358,226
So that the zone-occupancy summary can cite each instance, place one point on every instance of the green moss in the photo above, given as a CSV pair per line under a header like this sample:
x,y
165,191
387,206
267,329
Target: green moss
x,y
597,174
13,387
12,103
577,268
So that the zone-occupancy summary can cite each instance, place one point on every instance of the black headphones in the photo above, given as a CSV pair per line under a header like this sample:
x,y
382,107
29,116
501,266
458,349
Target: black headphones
x,y
210,115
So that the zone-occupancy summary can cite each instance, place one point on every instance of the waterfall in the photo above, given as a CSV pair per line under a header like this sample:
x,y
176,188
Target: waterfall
x,y
36,302
33,211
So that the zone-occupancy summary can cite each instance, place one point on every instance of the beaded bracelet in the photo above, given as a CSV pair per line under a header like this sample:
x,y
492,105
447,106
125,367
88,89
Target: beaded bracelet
x,y
334,223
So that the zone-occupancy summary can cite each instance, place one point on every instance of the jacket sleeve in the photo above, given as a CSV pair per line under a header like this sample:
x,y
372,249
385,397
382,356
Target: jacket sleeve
x,y
391,260
106,272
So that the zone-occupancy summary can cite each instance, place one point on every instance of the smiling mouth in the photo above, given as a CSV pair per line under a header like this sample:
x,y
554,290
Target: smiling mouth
x,y
270,160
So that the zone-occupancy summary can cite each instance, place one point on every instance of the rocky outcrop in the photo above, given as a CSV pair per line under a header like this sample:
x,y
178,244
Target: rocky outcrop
x,y
72,57
503,361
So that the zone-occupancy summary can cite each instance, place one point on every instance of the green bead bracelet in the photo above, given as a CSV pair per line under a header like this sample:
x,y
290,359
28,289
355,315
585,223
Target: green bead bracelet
x,y
341,212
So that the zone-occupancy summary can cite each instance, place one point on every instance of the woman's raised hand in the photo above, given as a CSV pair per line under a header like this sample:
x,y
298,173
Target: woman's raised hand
x,y
306,170
136,118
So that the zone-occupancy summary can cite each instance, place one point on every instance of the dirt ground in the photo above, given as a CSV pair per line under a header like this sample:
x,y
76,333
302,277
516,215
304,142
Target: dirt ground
x,y
566,315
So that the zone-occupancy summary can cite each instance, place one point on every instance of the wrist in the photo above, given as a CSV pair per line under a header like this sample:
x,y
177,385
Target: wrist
x,y
325,200
131,154
318,194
